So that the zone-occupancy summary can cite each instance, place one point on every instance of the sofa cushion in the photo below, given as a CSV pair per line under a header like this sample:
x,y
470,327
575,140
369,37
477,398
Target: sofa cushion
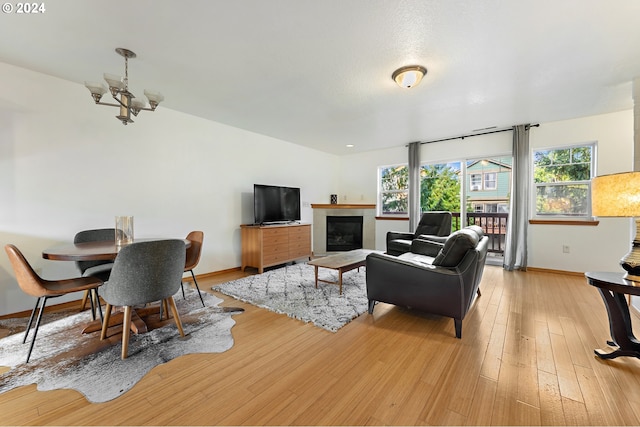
x,y
456,247
421,260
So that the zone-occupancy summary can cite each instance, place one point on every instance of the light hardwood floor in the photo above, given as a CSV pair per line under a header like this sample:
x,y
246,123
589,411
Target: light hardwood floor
x,y
525,358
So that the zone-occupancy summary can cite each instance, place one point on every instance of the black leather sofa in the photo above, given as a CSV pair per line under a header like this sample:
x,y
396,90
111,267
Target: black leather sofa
x,y
436,277
435,223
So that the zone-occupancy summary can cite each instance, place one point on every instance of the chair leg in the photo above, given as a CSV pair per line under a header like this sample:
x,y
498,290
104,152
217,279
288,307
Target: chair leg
x,y
458,324
372,305
33,312
105,321
97,296
176,316
83,304
126,330
93,305
197,287
164,308
182,289
35,331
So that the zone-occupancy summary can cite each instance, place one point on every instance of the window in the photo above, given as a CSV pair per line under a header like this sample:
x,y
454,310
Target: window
x,y
490,181
562,181
394,190
475,182
440,187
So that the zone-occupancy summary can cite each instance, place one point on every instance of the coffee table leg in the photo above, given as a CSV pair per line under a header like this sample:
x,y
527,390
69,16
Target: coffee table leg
x,y
340,280
316,271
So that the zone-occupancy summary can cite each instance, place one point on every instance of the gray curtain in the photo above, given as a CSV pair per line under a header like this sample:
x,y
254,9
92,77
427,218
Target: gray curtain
x,y
414,185
515,253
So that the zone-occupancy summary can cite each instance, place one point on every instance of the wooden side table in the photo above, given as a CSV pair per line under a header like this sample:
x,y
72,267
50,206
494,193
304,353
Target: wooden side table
x,y
613,287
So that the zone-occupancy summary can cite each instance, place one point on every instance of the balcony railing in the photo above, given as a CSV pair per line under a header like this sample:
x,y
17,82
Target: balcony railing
x,y
494,225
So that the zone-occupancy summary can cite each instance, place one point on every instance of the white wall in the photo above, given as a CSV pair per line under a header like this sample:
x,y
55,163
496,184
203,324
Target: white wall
x,y
591,248
68,165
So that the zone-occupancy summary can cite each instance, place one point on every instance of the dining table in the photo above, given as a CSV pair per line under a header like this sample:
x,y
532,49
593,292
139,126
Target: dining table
x,y
103,251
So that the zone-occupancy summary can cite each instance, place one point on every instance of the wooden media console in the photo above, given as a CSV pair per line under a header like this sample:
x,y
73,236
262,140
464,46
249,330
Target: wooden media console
x,y
268,245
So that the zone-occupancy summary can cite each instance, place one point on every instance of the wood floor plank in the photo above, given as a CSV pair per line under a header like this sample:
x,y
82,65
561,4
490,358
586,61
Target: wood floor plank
x,y
551,410
481,410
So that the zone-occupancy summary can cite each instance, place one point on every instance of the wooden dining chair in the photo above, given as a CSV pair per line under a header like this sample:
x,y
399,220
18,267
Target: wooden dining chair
x,y
193,258
32,284
142,273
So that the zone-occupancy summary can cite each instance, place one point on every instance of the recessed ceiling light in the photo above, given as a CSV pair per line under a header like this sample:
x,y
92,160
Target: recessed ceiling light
x,y
350,145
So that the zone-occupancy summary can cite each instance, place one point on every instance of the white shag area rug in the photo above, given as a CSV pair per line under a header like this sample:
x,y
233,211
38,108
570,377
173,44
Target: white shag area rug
x,y
59,362
291,290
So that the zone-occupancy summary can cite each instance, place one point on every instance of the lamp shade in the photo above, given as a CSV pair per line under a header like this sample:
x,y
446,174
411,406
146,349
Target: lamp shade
x,y
616,195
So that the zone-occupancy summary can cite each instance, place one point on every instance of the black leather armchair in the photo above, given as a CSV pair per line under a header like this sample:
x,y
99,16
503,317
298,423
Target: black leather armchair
x,y
436,223
435,277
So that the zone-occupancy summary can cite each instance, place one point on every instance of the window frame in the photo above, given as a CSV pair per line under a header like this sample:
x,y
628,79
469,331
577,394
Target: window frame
x,y
485,180
533,186
475,186
381,192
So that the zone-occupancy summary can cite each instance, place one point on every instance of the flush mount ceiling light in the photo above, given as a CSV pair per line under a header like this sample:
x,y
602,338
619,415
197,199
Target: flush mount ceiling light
x,y
409,76
119,88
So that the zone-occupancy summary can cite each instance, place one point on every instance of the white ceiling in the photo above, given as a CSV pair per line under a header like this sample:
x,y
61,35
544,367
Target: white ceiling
x,y
318,72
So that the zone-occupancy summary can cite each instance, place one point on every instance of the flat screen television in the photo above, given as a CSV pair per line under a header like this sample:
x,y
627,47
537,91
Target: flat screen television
x,y
272,203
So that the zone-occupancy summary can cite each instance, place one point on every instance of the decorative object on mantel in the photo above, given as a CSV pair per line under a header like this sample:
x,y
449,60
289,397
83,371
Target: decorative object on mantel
x,y
291,290
119,86
410,76
334,199
618,195
68,359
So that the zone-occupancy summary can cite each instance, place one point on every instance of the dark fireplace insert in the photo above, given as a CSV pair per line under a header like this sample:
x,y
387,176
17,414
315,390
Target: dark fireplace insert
x,y
344,233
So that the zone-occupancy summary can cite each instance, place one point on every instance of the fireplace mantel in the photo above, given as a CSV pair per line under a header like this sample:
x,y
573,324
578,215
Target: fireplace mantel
x,y
320,213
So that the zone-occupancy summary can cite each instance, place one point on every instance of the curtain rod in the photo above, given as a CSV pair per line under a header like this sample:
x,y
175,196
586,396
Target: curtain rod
x,y
476,134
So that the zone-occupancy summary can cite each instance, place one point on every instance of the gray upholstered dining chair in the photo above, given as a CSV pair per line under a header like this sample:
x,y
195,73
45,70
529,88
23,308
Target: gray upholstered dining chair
x,y
193,258
32,284
100,269
142,273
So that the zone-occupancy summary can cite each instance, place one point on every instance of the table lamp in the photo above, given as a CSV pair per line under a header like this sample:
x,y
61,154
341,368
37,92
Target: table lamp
x,y
618,195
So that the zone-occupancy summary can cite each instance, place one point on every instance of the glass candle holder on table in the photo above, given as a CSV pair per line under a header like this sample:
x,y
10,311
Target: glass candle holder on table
x,y
124,230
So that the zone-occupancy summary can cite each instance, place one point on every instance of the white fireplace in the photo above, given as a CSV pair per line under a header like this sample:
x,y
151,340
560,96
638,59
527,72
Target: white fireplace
x,y
322,211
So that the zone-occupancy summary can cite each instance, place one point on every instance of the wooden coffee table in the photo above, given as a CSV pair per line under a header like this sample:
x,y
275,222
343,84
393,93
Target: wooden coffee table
x,y
342,262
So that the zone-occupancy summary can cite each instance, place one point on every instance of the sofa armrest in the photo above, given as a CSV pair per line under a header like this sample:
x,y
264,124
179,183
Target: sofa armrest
x,y
426,247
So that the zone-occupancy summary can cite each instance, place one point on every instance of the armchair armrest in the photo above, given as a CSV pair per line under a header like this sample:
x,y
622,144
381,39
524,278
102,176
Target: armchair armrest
x,y
395,235
433,238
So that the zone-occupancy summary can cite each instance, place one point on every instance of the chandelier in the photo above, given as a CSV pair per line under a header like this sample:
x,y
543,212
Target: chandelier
x,y
119,88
